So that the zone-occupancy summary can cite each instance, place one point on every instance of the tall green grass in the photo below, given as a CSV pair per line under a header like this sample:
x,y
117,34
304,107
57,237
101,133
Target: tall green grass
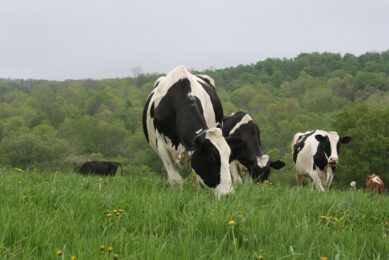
x,y
43,212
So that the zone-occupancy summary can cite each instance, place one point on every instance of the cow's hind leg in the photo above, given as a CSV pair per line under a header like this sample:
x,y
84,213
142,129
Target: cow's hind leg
x,y
173,175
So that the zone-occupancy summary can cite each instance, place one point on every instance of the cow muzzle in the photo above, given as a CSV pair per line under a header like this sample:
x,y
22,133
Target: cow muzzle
x,y
333,161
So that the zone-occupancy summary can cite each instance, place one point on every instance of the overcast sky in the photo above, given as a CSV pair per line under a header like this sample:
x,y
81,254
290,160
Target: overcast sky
x,y
78,39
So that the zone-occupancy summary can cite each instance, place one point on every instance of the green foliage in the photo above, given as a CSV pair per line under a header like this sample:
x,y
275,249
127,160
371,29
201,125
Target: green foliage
x,y
43,212
79,119
368,152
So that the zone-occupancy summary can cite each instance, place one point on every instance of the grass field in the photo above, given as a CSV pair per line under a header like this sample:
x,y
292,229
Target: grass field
x,y
44,212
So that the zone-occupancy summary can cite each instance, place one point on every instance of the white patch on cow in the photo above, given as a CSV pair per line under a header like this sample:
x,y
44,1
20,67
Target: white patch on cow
x,y
158,80
334,138
262,160
243,121
199,131
215,136
377,180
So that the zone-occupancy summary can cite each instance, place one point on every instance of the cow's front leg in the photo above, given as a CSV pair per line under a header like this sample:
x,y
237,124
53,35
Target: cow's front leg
x,y
173,175
330,176
316,180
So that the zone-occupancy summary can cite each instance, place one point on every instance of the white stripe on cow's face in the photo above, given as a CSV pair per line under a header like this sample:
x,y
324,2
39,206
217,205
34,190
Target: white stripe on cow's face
x,y
377,180
263,160
334,138
215,136
243,121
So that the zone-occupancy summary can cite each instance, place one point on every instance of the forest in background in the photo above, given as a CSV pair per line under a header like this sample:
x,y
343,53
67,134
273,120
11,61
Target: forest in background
x,y
59,125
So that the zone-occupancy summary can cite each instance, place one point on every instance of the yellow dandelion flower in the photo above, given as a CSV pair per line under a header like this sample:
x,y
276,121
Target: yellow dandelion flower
x,y
109,215
114,211
116,256
73,258
102,247
336,219
323,217
330,217
110,249
59,252
323,258
260,257
117,214
359,190
121,211
231,222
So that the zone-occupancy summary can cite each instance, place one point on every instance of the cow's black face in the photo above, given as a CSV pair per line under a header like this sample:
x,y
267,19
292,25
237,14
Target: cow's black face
x,y
261,174
206,162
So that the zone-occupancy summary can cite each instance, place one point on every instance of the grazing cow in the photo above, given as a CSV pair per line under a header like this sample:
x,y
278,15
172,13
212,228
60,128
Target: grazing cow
x,y
182,118
248,155
315,155
375,183
100,168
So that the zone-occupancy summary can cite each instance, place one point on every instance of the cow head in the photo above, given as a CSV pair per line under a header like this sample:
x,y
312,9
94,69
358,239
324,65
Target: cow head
x,y
330,146
210,161
262,169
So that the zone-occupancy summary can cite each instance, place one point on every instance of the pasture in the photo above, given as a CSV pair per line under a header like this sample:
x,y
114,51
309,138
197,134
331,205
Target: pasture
x,y
44,212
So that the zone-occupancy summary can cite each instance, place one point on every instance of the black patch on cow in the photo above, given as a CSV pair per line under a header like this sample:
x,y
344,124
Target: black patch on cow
x,y
229,122
205,161
205,79
100,168
144,116
216,104
178,115
299,145
322,153
247,152
152,110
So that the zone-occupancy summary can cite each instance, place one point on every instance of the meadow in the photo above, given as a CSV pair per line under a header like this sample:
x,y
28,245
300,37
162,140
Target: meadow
x,y
58,215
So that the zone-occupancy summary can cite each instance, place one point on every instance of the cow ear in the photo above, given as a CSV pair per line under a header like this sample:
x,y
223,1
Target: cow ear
x,y
320,138
235,143
345,139
277,164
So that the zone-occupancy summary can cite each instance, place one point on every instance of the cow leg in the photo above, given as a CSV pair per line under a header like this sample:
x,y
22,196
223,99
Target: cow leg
x,y
299,179
330,176
234,172
173,175
316,181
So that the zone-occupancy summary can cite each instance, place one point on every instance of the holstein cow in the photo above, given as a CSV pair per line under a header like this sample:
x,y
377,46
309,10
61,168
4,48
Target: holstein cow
x,y
247,155
315,155
100,168
181,121
375,183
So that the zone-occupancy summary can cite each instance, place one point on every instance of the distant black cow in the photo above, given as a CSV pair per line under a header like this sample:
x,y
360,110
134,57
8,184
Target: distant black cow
x,y
100,168
248,154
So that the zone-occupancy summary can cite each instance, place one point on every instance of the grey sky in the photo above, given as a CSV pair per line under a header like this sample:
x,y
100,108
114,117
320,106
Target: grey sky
x,y
68,39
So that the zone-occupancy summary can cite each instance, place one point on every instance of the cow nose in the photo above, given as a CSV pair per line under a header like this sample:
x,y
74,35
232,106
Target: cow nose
x,y
334,160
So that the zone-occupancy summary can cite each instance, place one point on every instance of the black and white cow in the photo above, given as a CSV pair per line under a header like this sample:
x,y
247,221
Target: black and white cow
x,y
315,154
249,151
182,121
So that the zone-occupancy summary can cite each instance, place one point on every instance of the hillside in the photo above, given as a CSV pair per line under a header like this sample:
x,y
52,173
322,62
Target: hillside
x,y
58,125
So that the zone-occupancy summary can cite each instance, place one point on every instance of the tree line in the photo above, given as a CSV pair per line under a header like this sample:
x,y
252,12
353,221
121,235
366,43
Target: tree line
x,y
59,125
